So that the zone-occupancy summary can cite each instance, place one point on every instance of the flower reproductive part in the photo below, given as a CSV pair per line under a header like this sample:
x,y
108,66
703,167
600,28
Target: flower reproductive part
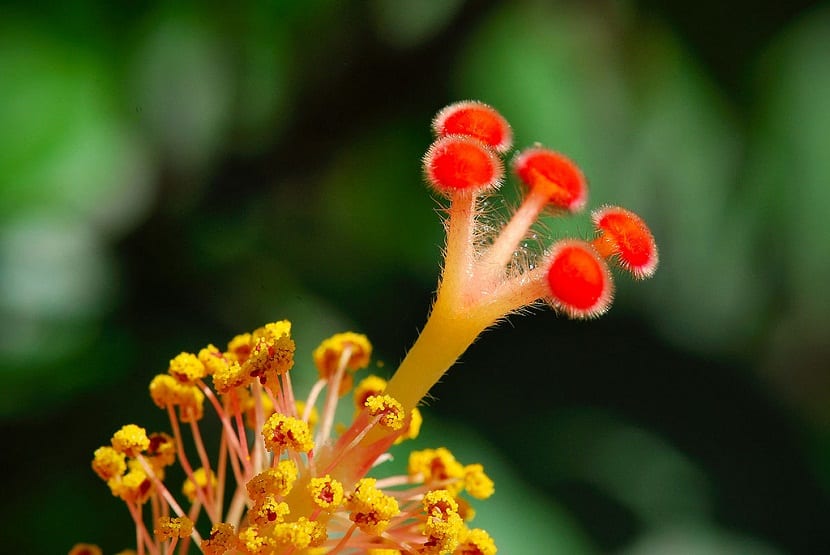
x,y
285,479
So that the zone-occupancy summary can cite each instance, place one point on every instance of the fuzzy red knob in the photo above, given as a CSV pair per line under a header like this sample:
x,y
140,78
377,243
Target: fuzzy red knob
x,y
474,119
578,279
460,163
626,237
555,175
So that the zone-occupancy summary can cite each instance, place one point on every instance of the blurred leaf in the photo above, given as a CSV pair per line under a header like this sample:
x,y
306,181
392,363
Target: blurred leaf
x,y
790,175
55,282
788,188
406,23
372,202
183,87
265,81
698,540
80,355
682,160
63,147
73,177
96,514
630,465
52,269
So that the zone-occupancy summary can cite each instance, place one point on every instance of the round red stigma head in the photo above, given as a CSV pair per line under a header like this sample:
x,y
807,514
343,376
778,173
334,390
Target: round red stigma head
x,y
458,163
624,236
578,279
474,119
553,174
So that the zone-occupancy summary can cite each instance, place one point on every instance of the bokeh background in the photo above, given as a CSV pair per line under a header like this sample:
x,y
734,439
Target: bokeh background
x,y
174,173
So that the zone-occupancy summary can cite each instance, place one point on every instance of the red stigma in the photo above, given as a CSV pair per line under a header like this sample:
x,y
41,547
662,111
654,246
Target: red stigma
x,y
555,174
626,236
579,281
477,120
458,163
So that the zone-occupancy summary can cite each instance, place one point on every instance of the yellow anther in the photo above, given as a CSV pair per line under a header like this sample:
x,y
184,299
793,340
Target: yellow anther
x,y
230,377
465,510
253,542
187,368
268,510
213,359
326,492
133,487
167,391
277,481
272,331
370,508
191,406
85,549
437,465
388,409
476,482
162,450
272,354
368,386
286,432
414,427
383,551
443,526
476,542
328,354
239,348
168,528
318,532
133,464
442,535
222,539
300,534
202,481
108,463
130,440
439,503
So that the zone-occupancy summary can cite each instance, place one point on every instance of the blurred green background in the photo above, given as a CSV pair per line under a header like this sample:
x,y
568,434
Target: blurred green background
x,y
173,173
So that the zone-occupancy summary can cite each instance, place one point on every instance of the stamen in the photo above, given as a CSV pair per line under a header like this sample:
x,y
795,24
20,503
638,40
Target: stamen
x,y
229,434
188,470
200,448
626,238
333,393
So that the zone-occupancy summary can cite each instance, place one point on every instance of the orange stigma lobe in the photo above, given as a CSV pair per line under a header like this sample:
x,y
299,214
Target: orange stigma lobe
x,y
579,281
458,163
553,174
627,238
477,120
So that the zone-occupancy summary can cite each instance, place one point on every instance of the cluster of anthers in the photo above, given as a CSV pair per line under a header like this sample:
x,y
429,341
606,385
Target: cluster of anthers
x,y
286,480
